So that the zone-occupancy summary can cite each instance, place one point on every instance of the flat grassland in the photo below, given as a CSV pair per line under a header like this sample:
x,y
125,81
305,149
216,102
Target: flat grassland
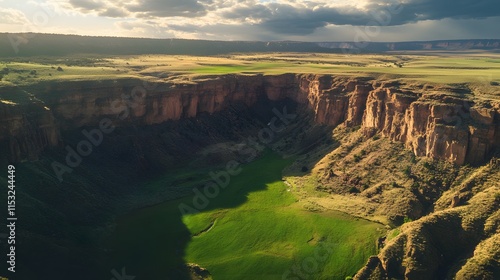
x,y
254,229
477,71
474,67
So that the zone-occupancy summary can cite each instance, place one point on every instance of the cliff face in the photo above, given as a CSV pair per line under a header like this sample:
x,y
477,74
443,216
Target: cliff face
x,y
26,130
434,124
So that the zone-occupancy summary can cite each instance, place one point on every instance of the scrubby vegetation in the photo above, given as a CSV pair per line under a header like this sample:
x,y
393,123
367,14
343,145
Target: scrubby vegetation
x,y
381,173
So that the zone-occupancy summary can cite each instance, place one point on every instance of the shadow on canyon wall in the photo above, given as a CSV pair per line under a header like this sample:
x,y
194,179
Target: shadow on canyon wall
x,y
65,228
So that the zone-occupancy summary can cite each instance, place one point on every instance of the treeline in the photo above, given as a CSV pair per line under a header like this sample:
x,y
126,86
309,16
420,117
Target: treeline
x,y
33,44
37,44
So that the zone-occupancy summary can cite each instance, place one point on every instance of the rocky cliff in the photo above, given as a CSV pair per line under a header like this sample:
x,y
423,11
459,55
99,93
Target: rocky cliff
x,y
442,123
26,129
457,241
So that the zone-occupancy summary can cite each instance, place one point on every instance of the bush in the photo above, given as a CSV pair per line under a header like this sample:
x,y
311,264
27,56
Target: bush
x,y
415,186
407,220
428,166
396,185
407,171
59,69
353,190
413,158
357,158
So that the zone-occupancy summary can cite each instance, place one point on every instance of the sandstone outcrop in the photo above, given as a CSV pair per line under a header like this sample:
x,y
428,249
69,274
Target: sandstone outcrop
x,y
26,129
437,124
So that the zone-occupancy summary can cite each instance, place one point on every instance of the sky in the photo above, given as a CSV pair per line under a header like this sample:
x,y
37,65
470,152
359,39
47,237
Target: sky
x,y
263,20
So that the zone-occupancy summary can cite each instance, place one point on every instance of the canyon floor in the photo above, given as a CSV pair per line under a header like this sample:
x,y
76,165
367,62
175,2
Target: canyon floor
x,y
255,166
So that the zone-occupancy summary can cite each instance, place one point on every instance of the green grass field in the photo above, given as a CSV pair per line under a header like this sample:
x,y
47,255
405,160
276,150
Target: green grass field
x,y
254,229
474,67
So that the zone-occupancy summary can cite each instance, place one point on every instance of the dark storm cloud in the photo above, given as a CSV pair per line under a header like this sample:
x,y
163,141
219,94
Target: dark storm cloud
x,y
296,17
456,9
290,20
287,19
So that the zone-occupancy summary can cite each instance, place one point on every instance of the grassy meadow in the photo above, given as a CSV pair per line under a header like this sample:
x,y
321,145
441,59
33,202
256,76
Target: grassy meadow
x,y
480,68
254,229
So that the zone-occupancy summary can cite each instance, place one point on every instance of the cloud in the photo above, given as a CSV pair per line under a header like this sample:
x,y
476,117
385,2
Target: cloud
x,y
292,18
354,12
12,16
104,8
127,25
87,5
113,12
456,9
140,8
169,8
288,19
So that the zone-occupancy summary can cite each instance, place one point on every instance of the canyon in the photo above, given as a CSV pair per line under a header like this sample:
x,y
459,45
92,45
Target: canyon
x,y
441,123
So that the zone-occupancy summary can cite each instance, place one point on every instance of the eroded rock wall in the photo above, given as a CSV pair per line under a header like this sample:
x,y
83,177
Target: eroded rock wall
x,y
26,130
431,123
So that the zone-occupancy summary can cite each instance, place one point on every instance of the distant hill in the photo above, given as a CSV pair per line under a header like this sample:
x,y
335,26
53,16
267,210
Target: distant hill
x,y
482,44
51,44
35,44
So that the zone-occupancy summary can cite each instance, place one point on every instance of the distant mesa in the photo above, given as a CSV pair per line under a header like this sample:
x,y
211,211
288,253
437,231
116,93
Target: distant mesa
x,y
34,44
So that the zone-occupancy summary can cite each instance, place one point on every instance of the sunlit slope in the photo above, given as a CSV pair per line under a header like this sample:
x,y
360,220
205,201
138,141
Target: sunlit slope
x,y
254,229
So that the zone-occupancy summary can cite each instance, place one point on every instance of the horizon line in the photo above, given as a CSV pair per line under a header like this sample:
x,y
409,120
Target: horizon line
x,y
208,40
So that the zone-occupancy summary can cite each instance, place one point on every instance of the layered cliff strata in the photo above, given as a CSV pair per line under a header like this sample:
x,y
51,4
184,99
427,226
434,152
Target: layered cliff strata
x,y
432,122
26,129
